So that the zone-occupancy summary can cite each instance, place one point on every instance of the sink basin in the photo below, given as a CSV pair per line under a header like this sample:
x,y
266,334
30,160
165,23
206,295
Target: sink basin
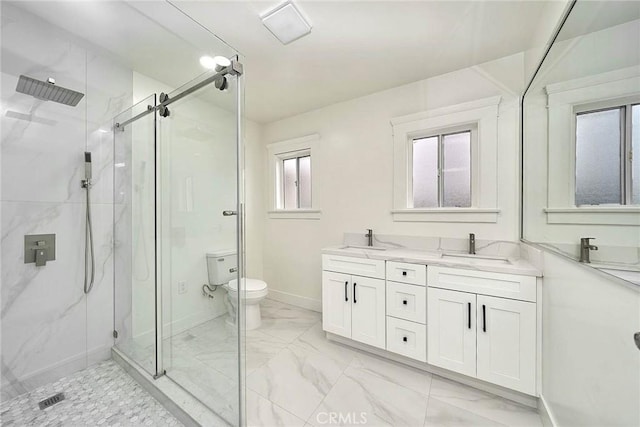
x,y
369,248
477,259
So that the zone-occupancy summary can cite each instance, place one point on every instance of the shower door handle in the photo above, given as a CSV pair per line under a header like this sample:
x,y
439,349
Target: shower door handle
x,y
229,213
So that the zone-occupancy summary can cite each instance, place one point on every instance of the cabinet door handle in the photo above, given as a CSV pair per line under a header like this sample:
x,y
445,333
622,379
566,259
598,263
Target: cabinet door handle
x,y
469,315
404,301
354,292
404,273
484,319
346,297
404,339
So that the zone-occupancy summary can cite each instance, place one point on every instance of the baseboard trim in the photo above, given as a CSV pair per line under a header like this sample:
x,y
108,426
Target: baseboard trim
x,y
297,300
548,420
515,396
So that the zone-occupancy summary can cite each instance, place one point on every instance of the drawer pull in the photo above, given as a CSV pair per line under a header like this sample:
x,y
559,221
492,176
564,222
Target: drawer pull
x,y
346,298
404,273
469,314
404,339
354,292
404,301
484,319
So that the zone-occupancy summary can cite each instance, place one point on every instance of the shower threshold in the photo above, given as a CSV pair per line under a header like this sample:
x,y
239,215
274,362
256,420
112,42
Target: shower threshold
x,y
179,402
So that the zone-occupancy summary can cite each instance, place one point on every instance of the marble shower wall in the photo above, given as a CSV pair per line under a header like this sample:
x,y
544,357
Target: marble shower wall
x,y
49,327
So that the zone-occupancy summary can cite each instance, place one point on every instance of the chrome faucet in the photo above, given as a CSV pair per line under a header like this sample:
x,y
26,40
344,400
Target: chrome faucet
x,y
585,248
369,236
472,243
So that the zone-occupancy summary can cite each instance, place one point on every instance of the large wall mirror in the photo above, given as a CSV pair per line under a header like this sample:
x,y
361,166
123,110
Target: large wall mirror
x,y
581,140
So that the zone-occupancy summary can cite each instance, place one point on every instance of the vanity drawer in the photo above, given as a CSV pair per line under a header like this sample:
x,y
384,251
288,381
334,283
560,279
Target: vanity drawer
x,y
511,286
408,302
353,265
414,274
407,338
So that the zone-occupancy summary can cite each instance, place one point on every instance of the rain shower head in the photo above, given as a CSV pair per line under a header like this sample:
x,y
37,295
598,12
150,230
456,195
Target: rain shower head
x,y
48,91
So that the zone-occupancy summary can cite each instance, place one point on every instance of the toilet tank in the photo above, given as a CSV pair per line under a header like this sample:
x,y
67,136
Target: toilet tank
x,y
218,265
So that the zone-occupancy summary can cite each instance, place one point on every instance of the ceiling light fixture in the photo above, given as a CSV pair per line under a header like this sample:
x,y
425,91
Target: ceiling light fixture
x,y
216,63
286,22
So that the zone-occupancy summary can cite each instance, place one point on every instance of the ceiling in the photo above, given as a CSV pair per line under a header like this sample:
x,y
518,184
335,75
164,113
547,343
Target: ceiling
x,y
355,47
360,47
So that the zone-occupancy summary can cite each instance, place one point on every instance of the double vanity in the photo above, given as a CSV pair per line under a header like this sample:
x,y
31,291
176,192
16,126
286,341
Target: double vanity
x,y
475,316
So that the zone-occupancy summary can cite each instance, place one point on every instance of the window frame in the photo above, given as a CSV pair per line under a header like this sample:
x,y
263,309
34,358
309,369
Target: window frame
x,y
472,128
562,100
626,145
280,151
483,113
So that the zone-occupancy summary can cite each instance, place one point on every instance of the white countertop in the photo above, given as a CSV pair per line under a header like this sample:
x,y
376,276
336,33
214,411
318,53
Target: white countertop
x,y
439,258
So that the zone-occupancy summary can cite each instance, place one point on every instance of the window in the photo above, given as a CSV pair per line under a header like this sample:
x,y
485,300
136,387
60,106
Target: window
x,y
294,171
605,171
442,170
438,175
296,182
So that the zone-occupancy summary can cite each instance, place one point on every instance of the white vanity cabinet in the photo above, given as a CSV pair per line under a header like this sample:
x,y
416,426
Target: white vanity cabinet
x,y
483,325
406,298
353,306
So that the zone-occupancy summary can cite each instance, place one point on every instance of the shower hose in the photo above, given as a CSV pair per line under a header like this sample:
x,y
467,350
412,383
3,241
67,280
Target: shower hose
x,y
88,244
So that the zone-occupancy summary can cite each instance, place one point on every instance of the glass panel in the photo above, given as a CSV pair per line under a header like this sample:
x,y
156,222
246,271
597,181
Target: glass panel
x,y
134,221
425,172
304,181
290,182
198,256
635,149
598,158
456,172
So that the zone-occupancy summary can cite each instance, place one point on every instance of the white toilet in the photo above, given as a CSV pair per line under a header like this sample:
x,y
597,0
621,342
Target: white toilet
x,y
221,267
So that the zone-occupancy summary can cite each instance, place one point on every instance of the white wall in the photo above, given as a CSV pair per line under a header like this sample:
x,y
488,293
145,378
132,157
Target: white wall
x,y
49,327
590,365
356,149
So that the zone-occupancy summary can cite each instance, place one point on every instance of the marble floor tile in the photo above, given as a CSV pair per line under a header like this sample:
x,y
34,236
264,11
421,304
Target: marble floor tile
x,y
296,379
403,375
262,412
314,339
103,395
484,404
362,397
440,414
288,322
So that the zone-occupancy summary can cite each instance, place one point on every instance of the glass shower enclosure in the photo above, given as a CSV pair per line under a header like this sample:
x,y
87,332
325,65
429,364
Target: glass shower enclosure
x,y
177,167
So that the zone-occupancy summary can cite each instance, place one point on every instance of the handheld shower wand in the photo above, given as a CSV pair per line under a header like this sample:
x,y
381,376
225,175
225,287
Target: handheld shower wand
x,y
88,239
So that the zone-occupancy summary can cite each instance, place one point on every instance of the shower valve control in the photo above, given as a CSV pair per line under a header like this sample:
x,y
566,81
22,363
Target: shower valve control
x,y
39,248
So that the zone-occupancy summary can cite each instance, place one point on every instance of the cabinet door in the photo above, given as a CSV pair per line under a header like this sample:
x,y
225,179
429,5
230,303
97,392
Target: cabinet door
x,y
368,311
507,343
451,330
336,303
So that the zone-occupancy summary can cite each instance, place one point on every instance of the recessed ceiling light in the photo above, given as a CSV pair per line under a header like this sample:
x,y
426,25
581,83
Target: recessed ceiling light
x,y
286,22
216,63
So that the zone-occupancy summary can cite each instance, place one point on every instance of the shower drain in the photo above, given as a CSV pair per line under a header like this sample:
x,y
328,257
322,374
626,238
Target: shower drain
x,y
50,401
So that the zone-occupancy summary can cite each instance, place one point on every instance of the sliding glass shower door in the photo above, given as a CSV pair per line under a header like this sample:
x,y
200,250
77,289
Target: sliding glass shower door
x,y
177,167
199,180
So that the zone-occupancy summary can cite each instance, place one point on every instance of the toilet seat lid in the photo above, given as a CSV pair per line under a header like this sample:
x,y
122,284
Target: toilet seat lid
x,y
250,285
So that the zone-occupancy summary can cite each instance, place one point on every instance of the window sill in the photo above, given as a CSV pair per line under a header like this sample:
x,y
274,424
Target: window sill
x,y
446,215
596,215
295,214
